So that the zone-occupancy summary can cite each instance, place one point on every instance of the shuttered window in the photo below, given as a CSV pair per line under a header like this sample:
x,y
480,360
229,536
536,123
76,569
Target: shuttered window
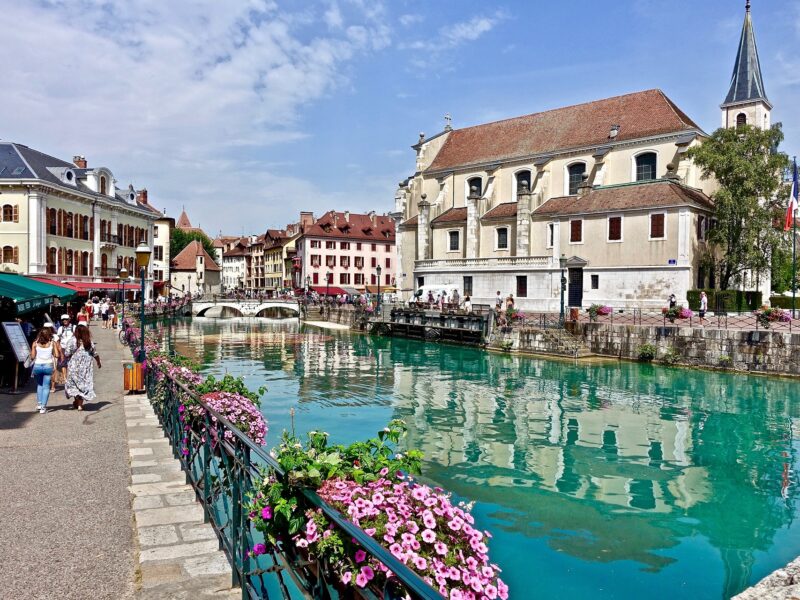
x,y
614,229
576,231
657,226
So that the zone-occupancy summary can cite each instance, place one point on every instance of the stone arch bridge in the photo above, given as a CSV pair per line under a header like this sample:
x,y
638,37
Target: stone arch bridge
x,y
245,308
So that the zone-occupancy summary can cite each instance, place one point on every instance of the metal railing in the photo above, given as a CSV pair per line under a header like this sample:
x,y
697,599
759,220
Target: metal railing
x,y
108,238
223,465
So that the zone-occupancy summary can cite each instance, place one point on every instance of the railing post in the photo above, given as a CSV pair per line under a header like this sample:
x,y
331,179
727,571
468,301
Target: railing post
x,y
236,517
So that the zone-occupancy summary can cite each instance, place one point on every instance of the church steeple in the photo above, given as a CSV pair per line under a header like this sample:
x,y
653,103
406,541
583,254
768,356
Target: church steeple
x,y
746,101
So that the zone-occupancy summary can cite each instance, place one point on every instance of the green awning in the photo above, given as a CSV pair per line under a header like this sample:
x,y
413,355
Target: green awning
x,y
29,294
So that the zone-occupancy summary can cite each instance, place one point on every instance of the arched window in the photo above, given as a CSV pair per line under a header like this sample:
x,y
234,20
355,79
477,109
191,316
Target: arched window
x,y
53,227
477,183
523,176
52,260
575,175
8,254
85,263
8,213
70,263
69,225
646,166
85,228
741,119
103,184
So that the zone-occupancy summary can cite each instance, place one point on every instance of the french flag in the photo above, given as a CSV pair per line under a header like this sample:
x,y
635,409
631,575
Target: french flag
x,y
792,208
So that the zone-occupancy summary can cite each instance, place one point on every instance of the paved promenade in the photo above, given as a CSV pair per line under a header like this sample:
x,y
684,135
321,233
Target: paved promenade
x,y
94,506
66,524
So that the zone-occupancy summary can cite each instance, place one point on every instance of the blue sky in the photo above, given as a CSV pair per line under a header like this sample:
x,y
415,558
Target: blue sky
x,y
246,112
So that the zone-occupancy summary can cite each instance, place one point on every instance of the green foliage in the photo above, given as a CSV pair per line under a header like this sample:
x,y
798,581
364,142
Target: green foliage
x,y
748,170
646,352
784,302
231,384
307,466
782,271
725,361
731,300
671,356
179,239
506,345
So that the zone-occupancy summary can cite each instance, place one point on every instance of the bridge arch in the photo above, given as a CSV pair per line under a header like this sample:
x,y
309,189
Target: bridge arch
x,y
286,311
220,310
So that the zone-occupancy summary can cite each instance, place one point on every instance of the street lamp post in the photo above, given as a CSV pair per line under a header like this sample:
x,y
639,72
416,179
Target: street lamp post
x,y
123,277
378,270
562,262
142,259
327,284
308,284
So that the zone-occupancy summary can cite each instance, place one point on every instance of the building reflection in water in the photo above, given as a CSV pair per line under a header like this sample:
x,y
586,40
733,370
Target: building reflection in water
x,y
605,462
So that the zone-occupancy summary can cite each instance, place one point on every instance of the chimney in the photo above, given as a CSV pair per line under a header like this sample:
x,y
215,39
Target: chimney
x,y
371,216
141,196
80,161
347,216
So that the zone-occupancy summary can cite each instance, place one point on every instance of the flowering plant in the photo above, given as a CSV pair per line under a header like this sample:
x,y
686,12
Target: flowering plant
x,y
766,315
241,412
596,310
676,312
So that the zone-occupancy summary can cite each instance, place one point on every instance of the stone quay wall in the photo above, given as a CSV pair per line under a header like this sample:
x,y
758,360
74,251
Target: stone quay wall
x,y
763,351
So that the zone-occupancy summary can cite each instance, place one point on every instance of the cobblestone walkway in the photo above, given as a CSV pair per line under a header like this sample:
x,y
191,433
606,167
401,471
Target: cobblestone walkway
x,y
179,555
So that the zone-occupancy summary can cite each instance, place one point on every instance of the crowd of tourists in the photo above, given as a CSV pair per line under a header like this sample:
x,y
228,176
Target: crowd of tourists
x,y
64,354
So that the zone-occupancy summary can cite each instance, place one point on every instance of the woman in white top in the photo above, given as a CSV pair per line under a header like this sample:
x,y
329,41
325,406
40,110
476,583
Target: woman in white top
x,y
43,351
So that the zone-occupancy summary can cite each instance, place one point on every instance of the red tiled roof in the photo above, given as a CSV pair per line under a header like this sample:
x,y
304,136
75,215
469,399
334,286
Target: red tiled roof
x,y
629,196
187,258
235,251
183,221
359,227
639,115
453,215
507,210
412,222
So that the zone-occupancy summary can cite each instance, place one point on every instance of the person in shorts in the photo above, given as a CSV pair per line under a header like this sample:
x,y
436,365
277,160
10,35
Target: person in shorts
x,y
703,308
104,314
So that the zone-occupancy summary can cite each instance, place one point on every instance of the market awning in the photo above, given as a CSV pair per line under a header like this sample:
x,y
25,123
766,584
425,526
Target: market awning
x,y
88,286
330,290
28,294
385,289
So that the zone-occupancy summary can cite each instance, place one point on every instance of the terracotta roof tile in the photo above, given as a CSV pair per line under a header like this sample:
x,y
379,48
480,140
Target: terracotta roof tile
x,y
639,115
453,215
507,210
412,222
629,196
187,258
359,227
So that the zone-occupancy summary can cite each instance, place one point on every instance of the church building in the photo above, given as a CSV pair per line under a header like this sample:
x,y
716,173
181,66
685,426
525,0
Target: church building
x,y
603,190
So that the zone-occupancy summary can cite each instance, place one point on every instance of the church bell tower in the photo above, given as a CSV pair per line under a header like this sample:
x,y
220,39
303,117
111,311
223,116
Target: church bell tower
x,y
746,102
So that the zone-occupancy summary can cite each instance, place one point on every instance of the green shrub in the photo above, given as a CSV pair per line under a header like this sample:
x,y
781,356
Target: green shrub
x,y
506,345
646,352
783,302
230,384
671,356
726,300
725,361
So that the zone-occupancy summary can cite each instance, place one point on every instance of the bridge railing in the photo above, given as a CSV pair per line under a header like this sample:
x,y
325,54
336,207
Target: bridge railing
x,y
223,466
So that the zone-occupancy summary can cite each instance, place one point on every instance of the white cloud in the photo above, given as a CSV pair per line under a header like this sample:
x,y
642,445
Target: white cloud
x,y
432,52
410,19
171,95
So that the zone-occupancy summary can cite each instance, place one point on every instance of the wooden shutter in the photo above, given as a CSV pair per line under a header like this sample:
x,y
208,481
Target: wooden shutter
x,y
16,214
576,230
615,229
657,226
16,253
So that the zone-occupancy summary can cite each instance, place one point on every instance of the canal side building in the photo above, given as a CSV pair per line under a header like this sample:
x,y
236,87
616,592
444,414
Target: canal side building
x,y
193,271
67,220
344,252
606,185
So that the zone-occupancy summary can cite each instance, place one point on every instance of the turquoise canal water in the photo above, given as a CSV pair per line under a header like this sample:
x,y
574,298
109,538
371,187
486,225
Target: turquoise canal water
x,y
609,480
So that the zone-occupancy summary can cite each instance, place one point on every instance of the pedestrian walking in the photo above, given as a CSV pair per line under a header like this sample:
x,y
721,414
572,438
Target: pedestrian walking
x,y
467,304
43,351
112,314
673,301
703,308
82,354
83,316
498,300
104,313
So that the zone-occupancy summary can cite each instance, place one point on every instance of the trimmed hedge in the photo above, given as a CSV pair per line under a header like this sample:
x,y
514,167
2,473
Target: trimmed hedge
x,y
726,300
783,302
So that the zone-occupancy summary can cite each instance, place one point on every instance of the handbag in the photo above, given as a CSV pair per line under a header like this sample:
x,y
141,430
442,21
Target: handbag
x,y
28,361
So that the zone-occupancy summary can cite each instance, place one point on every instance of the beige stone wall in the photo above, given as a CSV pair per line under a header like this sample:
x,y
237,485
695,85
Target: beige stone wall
x,y
15,234
488,238
440,241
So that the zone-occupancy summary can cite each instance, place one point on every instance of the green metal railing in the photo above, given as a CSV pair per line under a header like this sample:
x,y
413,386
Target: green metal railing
x,y
222,464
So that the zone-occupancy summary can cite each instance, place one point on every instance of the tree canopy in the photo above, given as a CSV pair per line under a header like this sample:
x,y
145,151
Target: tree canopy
x,y
179,239
746,164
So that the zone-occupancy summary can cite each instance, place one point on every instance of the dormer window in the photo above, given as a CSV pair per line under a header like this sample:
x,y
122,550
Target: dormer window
x,y
477,183
69,176
646,166
575,175
103,185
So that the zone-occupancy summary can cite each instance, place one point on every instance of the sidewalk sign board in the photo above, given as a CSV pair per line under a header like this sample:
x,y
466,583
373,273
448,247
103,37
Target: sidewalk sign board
x,y
19,343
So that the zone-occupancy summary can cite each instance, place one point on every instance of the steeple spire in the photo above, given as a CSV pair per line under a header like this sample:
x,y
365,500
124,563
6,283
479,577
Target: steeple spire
x,y
746,82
